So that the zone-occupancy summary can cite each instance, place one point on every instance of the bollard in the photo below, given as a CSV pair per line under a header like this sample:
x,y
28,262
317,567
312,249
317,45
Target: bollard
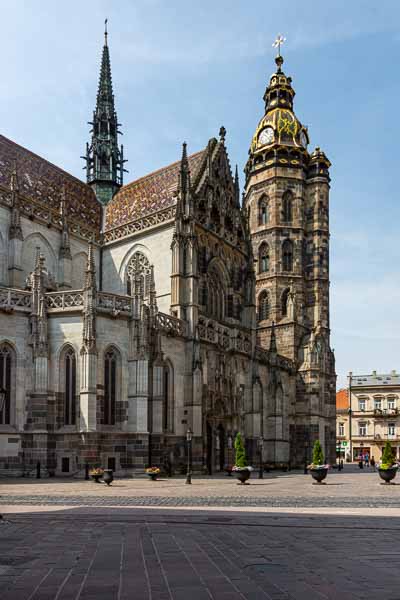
x,y
38,469
86,471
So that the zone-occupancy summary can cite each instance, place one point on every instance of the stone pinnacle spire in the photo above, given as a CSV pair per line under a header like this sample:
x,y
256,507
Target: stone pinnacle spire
x,y
104,158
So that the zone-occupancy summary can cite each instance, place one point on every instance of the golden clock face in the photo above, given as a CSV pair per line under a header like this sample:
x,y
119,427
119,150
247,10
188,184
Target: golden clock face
x,y
266,136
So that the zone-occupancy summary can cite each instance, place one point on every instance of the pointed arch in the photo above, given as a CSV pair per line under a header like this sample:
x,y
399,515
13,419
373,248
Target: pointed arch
x,y
7,382
263,258
287,256
287,207
68,385
168,415
112,392
263,306
263,210
138,275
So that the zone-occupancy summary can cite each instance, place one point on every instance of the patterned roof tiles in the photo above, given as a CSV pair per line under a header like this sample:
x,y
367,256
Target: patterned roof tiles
x,y
42,182
149,194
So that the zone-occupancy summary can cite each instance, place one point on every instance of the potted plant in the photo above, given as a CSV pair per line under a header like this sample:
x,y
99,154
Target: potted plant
x,y
108,476
318,468
387,468
153,473
241,468
96,474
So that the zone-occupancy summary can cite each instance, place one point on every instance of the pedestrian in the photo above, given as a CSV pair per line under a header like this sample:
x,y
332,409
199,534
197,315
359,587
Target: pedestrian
x,y
360,461
373,462
366,459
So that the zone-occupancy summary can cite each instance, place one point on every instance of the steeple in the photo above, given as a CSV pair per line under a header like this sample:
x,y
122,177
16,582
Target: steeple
x,y
104,158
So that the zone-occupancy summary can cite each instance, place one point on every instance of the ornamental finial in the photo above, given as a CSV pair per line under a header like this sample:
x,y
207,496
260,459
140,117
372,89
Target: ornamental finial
x,y
105,32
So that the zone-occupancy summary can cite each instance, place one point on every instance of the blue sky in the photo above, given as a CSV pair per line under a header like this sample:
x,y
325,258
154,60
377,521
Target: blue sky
x,y
183,68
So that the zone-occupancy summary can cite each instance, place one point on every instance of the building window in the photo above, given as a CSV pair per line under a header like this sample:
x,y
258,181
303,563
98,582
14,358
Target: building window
x,y
341,429
263,258
285,297
110,387
287,207
391,403
263,306
138,276
287,255
263,211
6,365
392,429
65,464
362,429
377,404
70,387
361,404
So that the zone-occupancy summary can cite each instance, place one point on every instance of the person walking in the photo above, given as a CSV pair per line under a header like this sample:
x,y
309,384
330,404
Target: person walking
x,y
366,459
373,462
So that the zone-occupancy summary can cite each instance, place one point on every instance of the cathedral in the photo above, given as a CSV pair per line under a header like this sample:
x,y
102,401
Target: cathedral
x,y
133,312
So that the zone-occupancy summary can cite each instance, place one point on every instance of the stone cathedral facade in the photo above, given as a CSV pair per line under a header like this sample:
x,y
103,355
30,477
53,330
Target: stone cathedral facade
x,y
129,313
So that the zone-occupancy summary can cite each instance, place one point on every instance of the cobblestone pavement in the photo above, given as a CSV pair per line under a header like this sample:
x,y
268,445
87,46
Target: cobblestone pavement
x,y
172,555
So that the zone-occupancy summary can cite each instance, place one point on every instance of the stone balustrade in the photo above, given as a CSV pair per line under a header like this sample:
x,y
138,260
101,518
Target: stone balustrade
x,y
12,299
171,325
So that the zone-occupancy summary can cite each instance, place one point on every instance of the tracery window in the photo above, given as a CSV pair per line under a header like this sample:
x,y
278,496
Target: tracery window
x,y
263,258
287,204
215,296
110,386
138,275
263,306
69,387
287,255
263,216
6,368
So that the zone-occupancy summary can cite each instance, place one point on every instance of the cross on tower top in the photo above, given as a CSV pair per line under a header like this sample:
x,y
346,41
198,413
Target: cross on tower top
x,y
278,43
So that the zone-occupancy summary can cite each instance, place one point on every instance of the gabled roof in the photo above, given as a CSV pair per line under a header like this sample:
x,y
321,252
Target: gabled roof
x,y
149,194
42,182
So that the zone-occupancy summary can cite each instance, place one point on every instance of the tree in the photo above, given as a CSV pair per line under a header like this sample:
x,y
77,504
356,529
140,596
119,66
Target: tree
x,y
387,456
318,455
240,452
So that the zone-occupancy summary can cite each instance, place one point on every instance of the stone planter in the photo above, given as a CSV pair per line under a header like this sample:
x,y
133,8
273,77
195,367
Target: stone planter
x,y
318,474
387,474
243,475
108,476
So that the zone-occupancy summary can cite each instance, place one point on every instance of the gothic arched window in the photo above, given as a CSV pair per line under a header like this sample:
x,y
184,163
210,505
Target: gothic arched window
x,y
263,216
7,362
285,297
215,295
138,275
263,306
287,204
263,258
168,398
287,256
69,364
110,386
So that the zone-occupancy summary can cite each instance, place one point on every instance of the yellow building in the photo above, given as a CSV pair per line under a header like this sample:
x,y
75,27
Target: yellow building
x,y
367,415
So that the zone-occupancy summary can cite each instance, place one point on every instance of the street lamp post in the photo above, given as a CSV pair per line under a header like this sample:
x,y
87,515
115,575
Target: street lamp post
x,y
260,449
189,436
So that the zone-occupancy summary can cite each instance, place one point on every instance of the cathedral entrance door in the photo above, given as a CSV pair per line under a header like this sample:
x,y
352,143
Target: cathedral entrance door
x,y
209,448
221,439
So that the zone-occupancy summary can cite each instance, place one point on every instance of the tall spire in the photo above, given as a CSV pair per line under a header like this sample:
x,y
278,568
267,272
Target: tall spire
x,y
104,158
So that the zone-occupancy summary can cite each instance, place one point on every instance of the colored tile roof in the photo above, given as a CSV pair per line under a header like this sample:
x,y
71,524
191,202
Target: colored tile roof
x,y
42,182
375,379
342,400
149,194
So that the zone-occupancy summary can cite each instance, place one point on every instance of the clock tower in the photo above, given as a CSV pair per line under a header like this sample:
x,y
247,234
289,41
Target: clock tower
x,y
287,199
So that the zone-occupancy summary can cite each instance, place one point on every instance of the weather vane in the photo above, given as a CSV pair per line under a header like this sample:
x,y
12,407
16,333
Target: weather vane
x,y
278,43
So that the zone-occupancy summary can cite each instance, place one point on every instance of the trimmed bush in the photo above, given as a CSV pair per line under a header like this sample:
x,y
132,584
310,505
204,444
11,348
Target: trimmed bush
x,y
387,456
240,452
318,455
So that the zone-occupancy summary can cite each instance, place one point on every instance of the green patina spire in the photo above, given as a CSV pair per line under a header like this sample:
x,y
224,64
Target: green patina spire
x,y
104,158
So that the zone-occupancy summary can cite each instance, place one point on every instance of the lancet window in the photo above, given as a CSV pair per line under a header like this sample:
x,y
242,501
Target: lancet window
x,y
287,256
138,276
263,306
287,207
263,216
263,258
69,387
7,364
110,386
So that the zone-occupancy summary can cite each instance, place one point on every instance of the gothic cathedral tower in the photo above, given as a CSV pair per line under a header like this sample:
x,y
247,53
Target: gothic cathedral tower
x,y
287,199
